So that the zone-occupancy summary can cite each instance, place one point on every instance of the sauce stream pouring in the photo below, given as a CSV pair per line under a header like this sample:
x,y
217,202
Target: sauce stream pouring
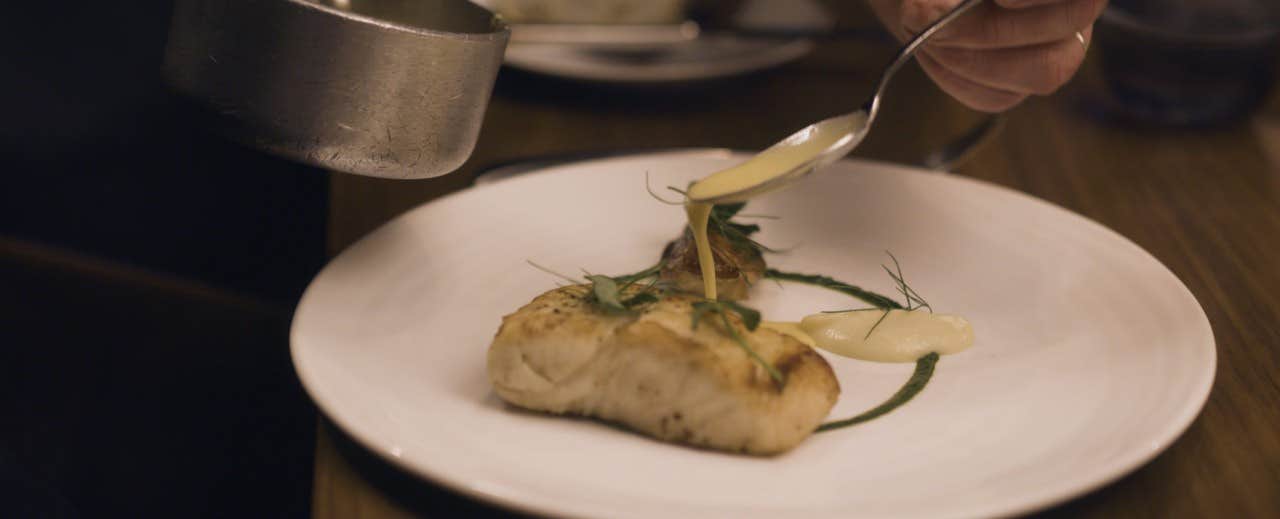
x,y
815,145
798,155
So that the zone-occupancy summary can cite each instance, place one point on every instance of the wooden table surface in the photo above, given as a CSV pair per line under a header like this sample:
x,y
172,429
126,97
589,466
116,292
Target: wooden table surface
x,y
1204,202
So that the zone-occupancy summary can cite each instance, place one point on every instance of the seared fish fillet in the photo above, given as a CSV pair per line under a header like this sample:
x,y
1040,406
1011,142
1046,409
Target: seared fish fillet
x,y
738,266
654,373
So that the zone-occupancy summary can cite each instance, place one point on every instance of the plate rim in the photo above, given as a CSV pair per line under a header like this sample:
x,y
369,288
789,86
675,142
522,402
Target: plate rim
x,y
1124,466
777,55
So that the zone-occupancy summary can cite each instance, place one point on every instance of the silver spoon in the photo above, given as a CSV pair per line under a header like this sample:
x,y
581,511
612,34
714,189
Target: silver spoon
x,y
858,122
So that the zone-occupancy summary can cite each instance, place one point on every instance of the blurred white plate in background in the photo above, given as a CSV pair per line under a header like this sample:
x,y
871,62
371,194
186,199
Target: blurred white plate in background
x,y
699,60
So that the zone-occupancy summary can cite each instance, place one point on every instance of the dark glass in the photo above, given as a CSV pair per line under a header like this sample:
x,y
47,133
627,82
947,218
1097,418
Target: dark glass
x,y
1188,62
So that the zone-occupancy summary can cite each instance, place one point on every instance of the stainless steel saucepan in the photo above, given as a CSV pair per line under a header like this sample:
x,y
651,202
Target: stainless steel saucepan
x,y
384,88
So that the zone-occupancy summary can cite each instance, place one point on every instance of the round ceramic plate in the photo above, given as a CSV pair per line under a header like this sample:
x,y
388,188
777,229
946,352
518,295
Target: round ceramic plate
x,y
699,60
1091,357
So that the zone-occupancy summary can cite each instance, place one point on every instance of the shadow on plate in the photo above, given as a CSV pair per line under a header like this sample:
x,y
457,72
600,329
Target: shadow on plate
x,y
407,492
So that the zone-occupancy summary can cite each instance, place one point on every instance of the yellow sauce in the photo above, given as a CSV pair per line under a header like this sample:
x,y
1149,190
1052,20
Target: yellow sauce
x,y
698,216
778,160
902,336
792,330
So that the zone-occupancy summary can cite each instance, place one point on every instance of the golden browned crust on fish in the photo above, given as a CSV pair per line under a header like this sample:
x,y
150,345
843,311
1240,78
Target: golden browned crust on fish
x,y
652,372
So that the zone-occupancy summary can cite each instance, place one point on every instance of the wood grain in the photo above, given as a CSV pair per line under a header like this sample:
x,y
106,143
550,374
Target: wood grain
x,y
1204,202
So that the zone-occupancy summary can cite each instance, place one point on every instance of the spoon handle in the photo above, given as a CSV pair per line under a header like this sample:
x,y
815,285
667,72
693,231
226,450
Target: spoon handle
x,y
907,51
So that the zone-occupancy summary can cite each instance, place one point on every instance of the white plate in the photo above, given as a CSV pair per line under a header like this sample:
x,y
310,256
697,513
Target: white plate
x,y
699,60
1091,357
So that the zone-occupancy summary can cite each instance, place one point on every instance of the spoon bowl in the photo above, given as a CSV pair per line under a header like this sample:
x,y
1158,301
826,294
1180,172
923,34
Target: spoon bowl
x,y
815,145
788,160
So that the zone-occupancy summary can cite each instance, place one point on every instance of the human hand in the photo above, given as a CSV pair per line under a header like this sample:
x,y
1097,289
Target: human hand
x,y
1002,51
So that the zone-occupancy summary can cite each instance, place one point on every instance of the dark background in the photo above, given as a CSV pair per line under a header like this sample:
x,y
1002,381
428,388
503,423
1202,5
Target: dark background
x,y
148,271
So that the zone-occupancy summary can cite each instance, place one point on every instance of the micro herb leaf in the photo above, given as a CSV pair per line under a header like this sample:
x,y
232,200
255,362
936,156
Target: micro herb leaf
x,y
642,298
746,229
701,309
737,233
649,187
605,291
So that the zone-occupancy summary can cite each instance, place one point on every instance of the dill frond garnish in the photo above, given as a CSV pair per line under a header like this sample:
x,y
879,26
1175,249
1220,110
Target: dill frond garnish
x,y
649,187
721,219
628,279
876,326
739,234
750,319
552,272
867,296
914,300
919,379
880,302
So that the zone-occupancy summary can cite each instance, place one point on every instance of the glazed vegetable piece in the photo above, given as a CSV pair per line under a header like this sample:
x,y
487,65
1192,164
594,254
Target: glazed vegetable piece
x,y
739,260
